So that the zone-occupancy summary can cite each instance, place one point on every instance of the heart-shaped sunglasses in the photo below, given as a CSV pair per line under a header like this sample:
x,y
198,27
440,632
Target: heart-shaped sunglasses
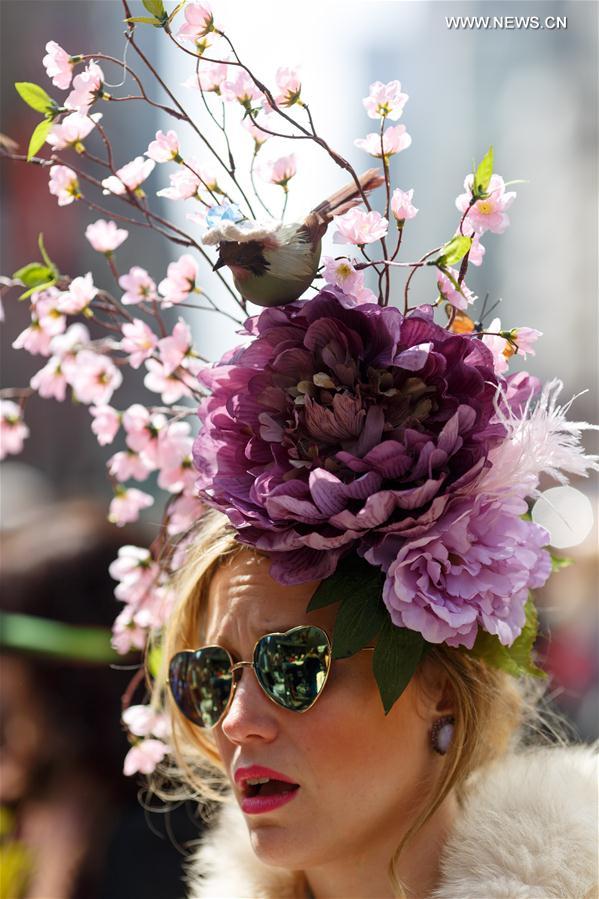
x,y
292,669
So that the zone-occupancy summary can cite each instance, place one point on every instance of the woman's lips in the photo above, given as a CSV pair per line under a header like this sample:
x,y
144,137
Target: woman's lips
x,y
256,805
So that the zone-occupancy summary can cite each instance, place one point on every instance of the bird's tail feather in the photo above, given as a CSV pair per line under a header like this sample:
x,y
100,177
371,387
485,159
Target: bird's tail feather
x,y
341,201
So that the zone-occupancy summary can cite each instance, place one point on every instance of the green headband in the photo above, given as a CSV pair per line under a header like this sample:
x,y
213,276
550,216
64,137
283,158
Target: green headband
x,y
44,636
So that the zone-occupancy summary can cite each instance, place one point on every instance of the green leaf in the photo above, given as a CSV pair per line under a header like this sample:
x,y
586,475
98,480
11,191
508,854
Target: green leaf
x,y
38,138
145,20
154,660
358,621
396,657
35,96
482,176
353,575
175,11
559,562
517,658
33,273
454,250
38,287
156,7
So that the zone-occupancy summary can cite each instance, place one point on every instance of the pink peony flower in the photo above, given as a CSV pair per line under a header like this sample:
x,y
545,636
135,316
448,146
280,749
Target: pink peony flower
x,y
94,377
241,88
79,295
171,387
395,139
471,570
401,205
165,148
105,236
461,298
525,338
64,184
488,214
289,86
129,177
72,130
199,21
127,504
87,88
127,464
58,65
105,424
13,430
359,227
385,101
211,75
50,381
139,287
279,171
180,281
138,340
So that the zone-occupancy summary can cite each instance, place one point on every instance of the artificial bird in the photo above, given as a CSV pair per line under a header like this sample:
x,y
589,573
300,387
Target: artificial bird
x,y
273,263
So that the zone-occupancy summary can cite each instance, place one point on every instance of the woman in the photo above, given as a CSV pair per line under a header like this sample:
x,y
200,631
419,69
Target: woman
x,y
431,800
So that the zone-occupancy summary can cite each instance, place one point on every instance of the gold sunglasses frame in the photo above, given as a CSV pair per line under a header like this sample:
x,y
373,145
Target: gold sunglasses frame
x,y
236,666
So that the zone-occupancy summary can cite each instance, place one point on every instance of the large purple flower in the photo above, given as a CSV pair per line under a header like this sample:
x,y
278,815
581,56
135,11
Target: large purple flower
x,y
473,568
340,425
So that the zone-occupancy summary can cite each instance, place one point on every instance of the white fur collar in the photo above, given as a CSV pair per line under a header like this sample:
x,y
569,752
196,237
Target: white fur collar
x,y
528,830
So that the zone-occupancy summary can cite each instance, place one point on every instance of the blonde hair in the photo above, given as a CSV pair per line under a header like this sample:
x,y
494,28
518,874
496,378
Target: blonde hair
x,y
492,709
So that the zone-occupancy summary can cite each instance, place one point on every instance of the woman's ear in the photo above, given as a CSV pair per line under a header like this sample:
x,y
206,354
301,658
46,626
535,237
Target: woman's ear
x,y
436,693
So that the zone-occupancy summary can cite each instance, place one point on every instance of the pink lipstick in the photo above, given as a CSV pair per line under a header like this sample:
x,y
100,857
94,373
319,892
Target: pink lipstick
x,y
263,789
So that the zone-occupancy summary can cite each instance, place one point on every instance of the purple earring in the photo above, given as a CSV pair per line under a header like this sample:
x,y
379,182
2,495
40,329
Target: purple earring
x,y
442,734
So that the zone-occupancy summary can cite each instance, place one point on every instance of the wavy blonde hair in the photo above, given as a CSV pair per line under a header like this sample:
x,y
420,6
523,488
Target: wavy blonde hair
x,y
493,710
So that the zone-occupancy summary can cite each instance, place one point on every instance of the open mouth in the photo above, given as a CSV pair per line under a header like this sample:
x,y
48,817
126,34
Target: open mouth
x,y
264,786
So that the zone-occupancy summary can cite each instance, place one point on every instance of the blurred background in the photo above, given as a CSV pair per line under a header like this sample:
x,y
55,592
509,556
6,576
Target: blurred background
x,y
532,93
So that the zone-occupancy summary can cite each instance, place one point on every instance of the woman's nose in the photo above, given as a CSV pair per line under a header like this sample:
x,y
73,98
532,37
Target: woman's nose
x,y
251,714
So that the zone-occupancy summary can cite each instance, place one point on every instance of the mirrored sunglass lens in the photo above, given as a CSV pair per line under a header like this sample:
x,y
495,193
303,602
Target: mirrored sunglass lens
x,y
292,667
201,684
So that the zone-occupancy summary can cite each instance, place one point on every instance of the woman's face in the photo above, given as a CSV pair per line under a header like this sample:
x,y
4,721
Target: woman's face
x,y
360,773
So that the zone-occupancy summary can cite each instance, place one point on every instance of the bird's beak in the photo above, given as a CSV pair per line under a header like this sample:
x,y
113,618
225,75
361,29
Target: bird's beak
x,y
218,264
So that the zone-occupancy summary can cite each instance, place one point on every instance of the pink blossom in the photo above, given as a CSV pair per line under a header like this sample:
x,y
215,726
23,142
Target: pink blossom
x,y
46,304
199,21
173,349
105,236
171,387
144,721
87,88
252,126
342,273
280,171
205,174
79,295
94,377
143,429
50,381
64,184
395,139
105,424
139,341
127,634
127,464
461,298
129,177
211,75
498,346
183,513
488,214
66,346
13,430
165,148
127,504
385,100
401,205
35,339
524,338
180,281
137,573
144,757
289,86
139,287
176,465
72,130
241,88
58,65
477,251
359,227
184,185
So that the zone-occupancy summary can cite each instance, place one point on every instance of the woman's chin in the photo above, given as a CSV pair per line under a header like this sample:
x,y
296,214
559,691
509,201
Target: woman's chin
x,y
279,845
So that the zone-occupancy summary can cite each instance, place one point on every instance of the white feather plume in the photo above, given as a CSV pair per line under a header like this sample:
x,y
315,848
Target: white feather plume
x,y
541,441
